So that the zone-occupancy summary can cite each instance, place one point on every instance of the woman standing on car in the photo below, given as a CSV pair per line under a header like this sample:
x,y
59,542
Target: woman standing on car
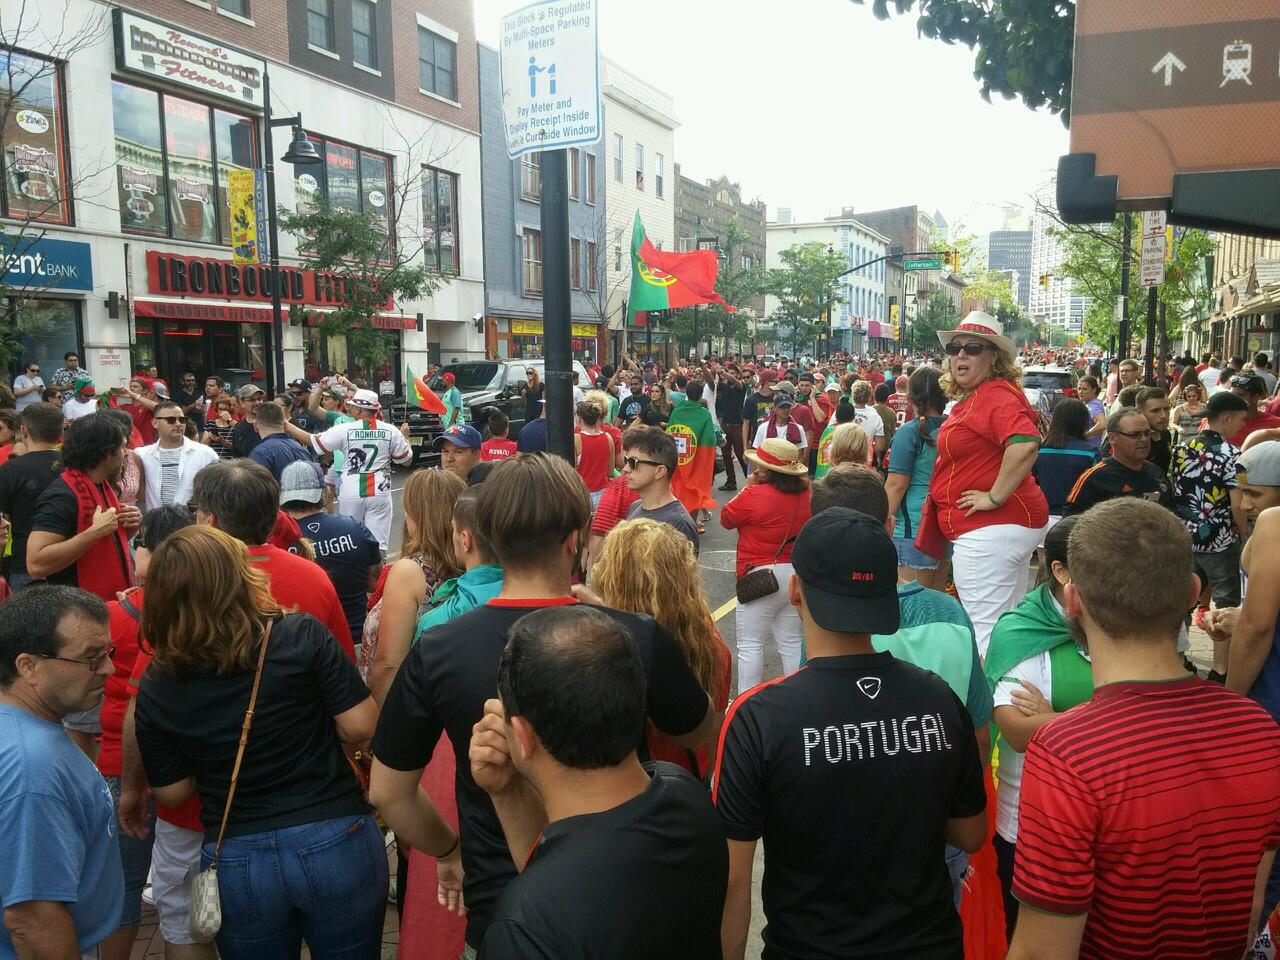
x,y
532,392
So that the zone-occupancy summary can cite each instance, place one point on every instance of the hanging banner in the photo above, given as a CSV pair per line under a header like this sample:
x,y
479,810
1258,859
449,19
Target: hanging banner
x,y
260,208
244,217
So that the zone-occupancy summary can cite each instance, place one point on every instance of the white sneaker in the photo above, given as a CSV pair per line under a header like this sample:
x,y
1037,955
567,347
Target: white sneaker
x,y
148,896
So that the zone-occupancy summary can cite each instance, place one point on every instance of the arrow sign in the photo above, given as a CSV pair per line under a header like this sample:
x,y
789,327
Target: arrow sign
x,y
1168,63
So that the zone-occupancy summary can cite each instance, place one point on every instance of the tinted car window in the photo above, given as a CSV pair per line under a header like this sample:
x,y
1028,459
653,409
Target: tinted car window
x,y
469,376
1045,380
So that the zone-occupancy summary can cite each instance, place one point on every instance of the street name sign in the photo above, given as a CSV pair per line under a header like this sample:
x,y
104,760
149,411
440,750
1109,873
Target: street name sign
x,y
550,67
926,263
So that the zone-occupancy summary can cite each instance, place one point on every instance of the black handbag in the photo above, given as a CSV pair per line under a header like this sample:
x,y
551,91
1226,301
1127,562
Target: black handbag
x,y
762,582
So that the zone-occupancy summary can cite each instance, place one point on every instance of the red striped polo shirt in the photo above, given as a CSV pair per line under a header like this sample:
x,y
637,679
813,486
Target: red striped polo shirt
x,y
1149,808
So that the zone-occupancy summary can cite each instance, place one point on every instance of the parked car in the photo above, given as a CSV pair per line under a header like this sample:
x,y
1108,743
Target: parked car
x,y
1044,388
485,385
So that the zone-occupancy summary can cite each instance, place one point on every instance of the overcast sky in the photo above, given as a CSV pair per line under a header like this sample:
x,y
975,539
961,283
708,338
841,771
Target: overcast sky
x,y
816,105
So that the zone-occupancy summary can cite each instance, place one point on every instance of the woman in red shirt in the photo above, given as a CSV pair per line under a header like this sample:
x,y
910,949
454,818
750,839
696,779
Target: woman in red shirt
x,y
768,514
594,451
982,496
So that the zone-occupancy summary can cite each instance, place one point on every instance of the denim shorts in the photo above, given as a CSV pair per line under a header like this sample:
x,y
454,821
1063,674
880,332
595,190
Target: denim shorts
x,y
911,557
135,859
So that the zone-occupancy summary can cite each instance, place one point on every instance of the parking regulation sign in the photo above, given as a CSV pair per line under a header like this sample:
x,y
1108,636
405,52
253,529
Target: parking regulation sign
x,y
551,76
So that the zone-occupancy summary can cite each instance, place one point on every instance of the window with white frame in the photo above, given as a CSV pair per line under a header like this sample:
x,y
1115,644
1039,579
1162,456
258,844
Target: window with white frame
x,y
659,174
364,34
320,24
640,166
531,176
437,64
617,157
532,261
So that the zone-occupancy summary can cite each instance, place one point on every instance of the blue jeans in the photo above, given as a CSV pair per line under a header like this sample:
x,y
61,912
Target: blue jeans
x,y
322,882
958,867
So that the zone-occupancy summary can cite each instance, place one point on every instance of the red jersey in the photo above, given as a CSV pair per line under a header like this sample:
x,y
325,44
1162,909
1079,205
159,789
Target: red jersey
x,y
901,407
115,694
971,444
803,416
1149,807
497,450
614,504
765,518
595,459
1259,421
298,584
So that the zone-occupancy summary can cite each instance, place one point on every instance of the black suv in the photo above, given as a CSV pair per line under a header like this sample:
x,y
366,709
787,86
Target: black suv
x,y
485,385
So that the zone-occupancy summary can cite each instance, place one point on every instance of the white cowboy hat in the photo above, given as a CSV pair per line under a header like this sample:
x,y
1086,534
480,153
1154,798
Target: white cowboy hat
x,y
778,455
984,327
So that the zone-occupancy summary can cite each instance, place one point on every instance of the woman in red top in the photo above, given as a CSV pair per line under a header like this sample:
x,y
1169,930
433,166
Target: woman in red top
x,y
982,494
768,514
594,451
649,567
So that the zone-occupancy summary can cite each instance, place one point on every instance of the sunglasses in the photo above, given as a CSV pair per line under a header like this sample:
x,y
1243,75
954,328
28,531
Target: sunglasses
x,y
169,419
33,369
1131,434
632,462
969,349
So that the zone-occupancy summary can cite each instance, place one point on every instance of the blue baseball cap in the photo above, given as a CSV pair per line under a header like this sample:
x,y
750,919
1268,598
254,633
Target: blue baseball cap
x,y
460,435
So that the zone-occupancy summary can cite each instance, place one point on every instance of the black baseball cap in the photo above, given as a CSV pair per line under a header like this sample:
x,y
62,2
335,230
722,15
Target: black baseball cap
x,y
300,384
848,569
1224,402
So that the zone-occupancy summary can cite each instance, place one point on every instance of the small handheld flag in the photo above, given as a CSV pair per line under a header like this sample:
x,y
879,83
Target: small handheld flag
x,y
423,396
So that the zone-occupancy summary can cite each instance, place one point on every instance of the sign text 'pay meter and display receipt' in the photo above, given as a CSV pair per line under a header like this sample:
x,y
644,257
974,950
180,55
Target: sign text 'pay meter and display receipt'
x,y
551,76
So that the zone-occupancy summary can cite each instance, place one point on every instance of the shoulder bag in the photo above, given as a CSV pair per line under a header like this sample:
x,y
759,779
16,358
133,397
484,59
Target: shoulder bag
x,y
205,913
762,581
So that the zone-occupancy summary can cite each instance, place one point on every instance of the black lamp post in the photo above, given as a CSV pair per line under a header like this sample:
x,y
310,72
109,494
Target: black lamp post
x,y
301,151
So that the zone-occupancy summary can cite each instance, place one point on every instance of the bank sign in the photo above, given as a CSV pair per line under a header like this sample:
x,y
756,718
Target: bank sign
x,y
34,265
176,55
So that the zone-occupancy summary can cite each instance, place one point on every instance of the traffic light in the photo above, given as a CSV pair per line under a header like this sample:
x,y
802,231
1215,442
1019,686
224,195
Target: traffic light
x,y
1044,280
951,259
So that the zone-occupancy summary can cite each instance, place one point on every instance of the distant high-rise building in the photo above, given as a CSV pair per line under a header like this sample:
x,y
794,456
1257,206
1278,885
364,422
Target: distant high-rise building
x,y
1052,296
1011,250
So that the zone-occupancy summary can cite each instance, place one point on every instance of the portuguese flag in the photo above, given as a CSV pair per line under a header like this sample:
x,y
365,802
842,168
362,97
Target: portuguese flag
x,y
366,484
694,432
824,448
423,395
661,280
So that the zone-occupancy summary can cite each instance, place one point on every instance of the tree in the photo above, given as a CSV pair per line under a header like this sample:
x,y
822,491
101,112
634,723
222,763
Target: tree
x,y
1022,48
806,286
939,314
981,282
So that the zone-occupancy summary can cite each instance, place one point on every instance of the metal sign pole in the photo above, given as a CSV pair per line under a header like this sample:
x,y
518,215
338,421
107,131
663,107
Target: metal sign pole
x,y
556,328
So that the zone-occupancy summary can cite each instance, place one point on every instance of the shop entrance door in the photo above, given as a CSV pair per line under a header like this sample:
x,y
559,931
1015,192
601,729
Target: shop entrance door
x,y
183,349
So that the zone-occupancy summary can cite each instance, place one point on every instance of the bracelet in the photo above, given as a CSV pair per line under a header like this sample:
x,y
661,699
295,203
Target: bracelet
x,y
991,497
457,839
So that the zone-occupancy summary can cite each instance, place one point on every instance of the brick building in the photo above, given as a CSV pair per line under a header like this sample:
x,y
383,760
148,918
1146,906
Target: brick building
x,y
1245,316
136,119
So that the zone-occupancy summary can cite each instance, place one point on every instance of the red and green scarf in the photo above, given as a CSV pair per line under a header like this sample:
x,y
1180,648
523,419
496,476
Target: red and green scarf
x,y
107,566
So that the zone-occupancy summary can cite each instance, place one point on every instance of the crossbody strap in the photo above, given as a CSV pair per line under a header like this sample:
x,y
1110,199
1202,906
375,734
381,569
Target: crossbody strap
x,y
790,524
244,738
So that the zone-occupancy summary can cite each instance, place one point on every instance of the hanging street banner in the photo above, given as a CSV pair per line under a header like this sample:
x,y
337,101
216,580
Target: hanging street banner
x,y
550,66
244,217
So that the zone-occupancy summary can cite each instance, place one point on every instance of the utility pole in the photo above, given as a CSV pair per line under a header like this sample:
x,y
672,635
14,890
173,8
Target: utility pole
x,y
556,326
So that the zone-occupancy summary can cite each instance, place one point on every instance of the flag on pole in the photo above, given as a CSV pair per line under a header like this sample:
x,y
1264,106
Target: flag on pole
x,y
423,396
661,280
694,432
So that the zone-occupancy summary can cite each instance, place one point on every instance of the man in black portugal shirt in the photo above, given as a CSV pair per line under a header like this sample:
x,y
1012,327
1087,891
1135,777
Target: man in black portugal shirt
x,y
856,771
535,511
560,745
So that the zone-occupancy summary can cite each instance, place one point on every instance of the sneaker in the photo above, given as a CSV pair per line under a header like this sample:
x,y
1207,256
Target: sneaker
x,y
727,486
148,896
1216,677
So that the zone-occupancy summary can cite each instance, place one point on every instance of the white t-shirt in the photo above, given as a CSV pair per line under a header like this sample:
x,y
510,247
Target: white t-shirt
x,y
1209,377
762,433
1035,670
368,447
75,409
21,382
869,419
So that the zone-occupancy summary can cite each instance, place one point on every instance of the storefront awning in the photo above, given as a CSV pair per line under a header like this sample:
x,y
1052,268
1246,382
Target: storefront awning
x,y
198,311
1267,300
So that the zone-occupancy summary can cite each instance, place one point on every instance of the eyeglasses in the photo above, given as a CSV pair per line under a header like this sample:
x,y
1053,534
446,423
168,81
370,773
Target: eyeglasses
x,y
970,349
169,419
632,462
1132,434
93,663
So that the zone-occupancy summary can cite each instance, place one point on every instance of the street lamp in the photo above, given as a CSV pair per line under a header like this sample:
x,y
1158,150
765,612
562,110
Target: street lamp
x,y
301,152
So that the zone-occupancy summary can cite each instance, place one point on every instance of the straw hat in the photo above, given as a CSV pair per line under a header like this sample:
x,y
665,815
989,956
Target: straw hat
x,y
984,327
780,456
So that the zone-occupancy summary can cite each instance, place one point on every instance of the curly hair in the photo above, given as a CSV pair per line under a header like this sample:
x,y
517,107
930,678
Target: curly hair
x,y
90,440
429,496
862,392
649,567
1002,368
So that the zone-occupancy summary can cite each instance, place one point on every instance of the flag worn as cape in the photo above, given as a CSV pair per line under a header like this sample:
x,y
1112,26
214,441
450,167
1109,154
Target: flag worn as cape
x,y
694,432
661,280
422,395
1026,631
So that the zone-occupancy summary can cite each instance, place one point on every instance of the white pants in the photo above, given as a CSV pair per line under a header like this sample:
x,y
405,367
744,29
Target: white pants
x,y
373,512
756,619
175,861
992,569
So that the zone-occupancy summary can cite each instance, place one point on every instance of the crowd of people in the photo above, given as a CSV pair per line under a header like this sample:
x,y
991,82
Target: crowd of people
x,y
220,690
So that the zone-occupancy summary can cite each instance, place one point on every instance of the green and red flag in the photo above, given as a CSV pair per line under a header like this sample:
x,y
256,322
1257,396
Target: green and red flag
x,y
661,280
694,432
423,396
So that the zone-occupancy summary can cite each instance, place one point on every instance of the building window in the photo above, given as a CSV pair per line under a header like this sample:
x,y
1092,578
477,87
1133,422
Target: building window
x,y
320,24
532,247
617,249
52,328
349,179
440,219
575,167
591,178
617,157
593,266
173,162
531,176
34,142
364,34
746,262
239,7
640,166
575,264
437,64
658,174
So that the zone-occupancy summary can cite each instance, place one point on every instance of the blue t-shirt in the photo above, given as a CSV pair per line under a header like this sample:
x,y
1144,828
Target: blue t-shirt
x,y
59,841
533,437
277,451
1057,470
909,454
345,549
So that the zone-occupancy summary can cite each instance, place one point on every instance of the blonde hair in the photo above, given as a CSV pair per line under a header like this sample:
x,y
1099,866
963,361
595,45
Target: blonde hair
x,y
848,445
205,604
1002,368
862,392
429,496
649,567
600,399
